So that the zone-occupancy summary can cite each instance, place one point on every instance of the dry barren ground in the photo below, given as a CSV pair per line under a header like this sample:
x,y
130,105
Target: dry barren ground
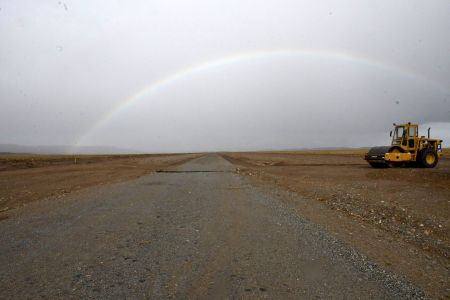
x,y
26,178
398,217
195,231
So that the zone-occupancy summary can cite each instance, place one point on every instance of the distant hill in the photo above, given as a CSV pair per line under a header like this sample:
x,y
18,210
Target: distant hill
x,y
63,149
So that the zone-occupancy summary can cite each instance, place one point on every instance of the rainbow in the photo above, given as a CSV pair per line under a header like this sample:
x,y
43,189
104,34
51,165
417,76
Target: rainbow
x,y
165,82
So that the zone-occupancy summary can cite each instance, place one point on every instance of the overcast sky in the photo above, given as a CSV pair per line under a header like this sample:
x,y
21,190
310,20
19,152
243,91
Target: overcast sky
x,y
165,75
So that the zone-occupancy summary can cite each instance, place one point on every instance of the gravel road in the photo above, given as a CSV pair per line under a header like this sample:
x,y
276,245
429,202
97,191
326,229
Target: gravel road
x,y
197,231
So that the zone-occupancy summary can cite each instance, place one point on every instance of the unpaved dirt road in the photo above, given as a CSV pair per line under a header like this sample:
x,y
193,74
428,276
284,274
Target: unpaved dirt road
x,y
196,231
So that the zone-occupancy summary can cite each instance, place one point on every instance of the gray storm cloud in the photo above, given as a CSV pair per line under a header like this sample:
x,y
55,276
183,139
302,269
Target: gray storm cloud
x,y
68,70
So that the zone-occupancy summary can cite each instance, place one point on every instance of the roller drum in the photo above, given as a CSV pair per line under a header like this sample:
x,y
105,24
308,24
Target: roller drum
x,y
375,156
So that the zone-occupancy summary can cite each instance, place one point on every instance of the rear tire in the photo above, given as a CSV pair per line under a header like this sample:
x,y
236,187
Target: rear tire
x,y
428,158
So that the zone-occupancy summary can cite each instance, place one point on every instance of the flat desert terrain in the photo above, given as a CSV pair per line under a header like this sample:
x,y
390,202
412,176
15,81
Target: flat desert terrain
x,y
229,225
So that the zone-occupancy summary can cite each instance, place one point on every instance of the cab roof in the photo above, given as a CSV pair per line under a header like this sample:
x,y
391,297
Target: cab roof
x,y
407,124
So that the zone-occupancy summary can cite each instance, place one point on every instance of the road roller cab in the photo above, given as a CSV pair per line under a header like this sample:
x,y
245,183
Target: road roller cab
x,y
407,148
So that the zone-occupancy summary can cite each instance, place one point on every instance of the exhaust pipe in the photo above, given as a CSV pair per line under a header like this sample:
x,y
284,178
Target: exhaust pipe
x,y
429,128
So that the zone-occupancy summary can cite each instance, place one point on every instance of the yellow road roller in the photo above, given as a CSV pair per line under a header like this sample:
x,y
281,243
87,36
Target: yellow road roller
x,y
406,149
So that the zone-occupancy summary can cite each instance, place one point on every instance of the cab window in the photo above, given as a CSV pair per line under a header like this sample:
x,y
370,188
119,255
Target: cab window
x,y
398,133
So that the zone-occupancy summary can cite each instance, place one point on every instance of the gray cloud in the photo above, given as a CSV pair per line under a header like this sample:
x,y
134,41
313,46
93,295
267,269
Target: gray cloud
x,y
66,65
